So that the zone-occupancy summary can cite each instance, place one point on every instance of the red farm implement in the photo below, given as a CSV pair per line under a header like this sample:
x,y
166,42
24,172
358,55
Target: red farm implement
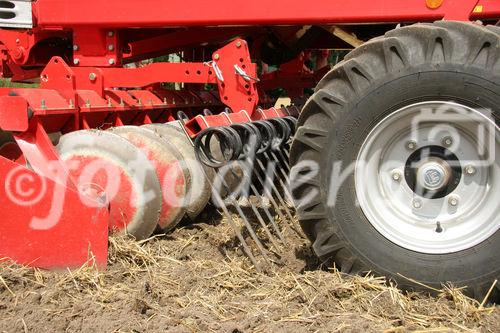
x,y
136,115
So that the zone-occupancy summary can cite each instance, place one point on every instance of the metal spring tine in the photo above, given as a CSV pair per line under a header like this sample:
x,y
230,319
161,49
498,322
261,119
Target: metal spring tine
x,y
256,212
281,176
284,151
220,203
287,131
269,216
274,189
254,145
232,133
247,224
270,197
281,152
266,210
270,134
283,204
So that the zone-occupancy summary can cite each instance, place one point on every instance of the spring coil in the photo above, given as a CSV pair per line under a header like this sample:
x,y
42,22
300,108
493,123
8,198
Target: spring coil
x,y
217,146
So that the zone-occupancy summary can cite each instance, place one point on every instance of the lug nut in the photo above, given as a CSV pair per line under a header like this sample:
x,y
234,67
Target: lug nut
x,y
92,76
111,47
216,57
417,204
238,44
75,47
470,170
411,145
447,141
453,201
76,61
396,175
111,61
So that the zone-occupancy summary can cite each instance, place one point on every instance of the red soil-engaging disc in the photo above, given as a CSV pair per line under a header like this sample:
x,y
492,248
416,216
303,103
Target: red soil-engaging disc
x,y
199,189
166,160
107,164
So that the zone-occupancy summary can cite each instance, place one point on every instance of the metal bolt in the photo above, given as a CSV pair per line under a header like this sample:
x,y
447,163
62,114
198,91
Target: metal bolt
x,y
453,201
111,61
111,47
411,145
76,61
92,76
238,44
396,175
447,141
417,204
470,170
216,56
75,47
111,33
18,41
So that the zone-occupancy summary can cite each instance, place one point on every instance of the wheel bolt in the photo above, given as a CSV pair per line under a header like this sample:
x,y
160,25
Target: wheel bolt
x,y
417,204
453,201
396,176
411,145
447,141
470,170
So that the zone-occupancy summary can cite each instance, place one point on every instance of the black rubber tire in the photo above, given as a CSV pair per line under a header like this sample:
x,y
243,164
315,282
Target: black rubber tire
x,y
449,61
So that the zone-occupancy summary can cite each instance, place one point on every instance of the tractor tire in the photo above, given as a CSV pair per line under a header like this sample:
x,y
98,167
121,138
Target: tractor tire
x,y
429,218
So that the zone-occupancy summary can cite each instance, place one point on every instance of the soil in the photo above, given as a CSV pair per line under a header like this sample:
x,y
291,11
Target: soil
x,y
197,279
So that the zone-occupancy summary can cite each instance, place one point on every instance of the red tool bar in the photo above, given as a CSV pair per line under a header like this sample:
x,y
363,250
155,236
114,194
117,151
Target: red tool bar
x,y
199,123
153,73
165,13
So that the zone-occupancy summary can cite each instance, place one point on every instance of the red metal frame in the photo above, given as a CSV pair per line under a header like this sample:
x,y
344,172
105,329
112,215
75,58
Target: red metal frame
x,y
160,13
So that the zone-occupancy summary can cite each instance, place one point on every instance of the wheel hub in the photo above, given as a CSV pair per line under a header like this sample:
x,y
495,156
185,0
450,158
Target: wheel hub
x,y
433,175
445,202
433,172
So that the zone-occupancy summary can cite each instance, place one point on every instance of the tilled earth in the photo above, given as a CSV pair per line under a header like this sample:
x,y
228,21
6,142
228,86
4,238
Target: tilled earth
x,y
197,280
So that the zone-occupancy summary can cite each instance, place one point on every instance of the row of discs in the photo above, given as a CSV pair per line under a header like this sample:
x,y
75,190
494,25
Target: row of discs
x,y
148,175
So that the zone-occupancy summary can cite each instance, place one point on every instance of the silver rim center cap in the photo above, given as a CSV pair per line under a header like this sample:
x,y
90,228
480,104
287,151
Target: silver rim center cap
x,y
433,175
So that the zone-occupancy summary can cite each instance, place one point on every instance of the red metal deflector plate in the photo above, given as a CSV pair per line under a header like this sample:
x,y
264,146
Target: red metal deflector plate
x,y
45,224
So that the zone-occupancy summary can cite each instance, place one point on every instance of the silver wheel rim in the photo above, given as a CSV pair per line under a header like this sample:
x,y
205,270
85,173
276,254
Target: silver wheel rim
x,y
459,220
